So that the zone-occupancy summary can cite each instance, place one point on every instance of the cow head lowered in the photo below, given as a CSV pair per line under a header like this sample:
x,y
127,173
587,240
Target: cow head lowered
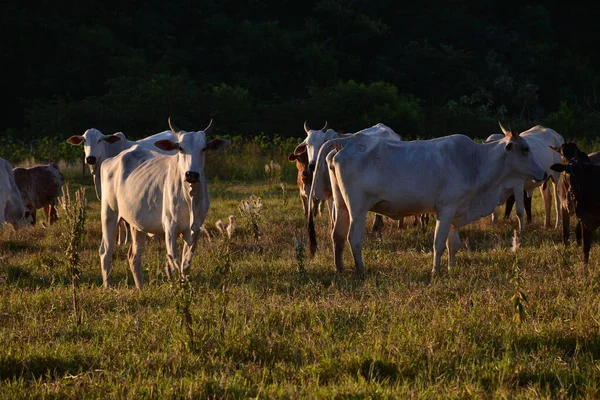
x,y
190,148
97,146
312,144
521,158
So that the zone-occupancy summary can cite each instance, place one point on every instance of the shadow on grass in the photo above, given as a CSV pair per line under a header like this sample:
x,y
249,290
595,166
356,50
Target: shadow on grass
x,y
40,367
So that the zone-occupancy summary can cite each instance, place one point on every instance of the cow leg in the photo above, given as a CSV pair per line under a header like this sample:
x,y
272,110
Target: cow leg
x,y
304,204
53,213
509,205
527,203
189,249
587,243
495,215
377,224
331,208
442,228
578,232
138,243
339,234
518,196
172,251
401,223
547,197
358,221
452,244
109,220
33,215
557,202
566,220
424,221
124,232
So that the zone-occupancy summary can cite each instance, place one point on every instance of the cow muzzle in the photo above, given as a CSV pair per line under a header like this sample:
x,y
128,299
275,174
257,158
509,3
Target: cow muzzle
x,y
91,160
192,177
311,167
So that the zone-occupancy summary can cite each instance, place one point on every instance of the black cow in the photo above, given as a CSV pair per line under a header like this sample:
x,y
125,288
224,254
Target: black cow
x,y
581,193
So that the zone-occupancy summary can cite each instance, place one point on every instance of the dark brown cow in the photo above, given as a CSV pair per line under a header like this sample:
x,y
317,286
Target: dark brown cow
x,y
40,187
580,193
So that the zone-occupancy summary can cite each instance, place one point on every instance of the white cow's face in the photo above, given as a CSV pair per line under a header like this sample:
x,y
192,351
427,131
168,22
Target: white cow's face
x,y
95,146
191,147
521,159
312,144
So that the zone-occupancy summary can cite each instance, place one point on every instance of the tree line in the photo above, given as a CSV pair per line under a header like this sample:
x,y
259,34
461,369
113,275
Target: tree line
x,y
425,68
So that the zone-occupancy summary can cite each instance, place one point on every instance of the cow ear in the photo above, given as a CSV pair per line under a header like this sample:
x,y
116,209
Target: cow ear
x,y
558,167
166,145
111,138
292,157
217,144
75,140
508,146
556,149
301,148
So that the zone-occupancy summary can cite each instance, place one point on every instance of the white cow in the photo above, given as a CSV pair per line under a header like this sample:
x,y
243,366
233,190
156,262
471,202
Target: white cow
x,y
313,143
157,194
540,140
454,177
98,147
11,204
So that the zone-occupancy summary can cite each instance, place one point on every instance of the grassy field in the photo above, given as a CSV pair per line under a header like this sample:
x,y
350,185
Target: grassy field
x,y
259,319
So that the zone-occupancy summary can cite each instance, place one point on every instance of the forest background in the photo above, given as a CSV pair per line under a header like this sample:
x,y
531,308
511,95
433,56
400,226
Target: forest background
x,y
261,68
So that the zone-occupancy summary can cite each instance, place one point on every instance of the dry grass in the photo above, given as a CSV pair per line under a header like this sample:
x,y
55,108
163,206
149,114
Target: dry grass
x,y
263,327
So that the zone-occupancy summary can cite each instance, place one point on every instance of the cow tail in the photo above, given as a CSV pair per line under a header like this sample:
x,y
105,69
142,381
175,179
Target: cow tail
x,y
325,149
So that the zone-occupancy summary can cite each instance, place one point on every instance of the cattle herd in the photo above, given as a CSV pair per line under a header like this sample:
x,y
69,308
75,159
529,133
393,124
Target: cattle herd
x,y
158,186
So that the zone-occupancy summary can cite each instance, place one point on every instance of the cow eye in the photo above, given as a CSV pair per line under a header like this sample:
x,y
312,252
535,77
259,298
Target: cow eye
x,y
525,150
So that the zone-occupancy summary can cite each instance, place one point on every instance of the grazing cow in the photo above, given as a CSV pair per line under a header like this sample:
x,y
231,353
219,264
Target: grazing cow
x,y
11,204
313,143
454,177
157,194
40,187
539,140
584,194
569,152
304,178
98,147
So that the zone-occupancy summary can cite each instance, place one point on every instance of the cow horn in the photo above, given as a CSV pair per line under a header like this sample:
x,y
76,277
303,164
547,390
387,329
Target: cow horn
x,y
325,127
208,130
173,128
502,128
306,128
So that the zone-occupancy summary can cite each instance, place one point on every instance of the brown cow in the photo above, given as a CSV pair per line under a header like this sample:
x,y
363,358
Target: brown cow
x,y
40,187
304,178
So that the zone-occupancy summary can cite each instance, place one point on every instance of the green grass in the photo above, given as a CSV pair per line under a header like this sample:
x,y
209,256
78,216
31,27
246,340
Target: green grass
x,y
263,329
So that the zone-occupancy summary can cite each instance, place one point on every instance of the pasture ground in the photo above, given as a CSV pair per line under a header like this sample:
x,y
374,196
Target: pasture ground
x,y
266,322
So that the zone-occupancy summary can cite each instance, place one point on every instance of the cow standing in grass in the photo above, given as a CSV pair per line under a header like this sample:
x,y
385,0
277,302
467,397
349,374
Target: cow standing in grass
x,y
157,194
570,153
40,187
453,177
98,147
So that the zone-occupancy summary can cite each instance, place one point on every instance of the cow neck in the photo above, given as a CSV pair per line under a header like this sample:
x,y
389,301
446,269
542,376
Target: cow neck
x,y
490,159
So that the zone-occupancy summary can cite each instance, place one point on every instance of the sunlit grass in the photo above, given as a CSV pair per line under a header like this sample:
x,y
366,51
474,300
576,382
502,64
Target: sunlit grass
x,y
281,332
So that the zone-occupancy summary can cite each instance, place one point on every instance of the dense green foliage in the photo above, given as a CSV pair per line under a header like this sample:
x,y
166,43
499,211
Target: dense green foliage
x,y
426,69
